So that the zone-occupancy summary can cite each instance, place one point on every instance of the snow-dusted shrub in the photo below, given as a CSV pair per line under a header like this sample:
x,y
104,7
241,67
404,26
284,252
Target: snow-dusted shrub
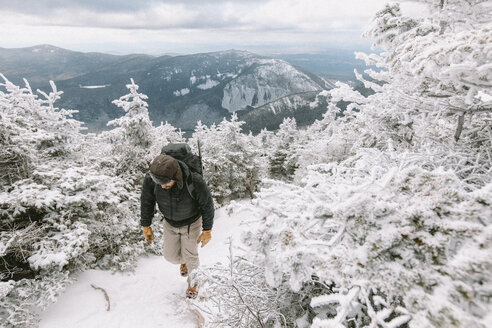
x,y
162,135
15,162
394,215
232,167
31,128
64,213
236,294
19,300
331,139
400,243
64,220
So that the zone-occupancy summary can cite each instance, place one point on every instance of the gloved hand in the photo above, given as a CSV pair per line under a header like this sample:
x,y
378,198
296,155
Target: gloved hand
x,y
148,234
205,237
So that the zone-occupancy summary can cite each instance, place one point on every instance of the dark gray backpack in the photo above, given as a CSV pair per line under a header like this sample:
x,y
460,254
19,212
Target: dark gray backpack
x,y
182,152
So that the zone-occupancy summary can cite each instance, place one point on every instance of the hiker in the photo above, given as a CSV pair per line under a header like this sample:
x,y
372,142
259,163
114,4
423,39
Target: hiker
x,y
184,199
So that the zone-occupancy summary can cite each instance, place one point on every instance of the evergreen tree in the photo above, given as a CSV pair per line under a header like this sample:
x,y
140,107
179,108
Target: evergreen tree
x,y
231,165
32,129
284,159
60,213
164,134
434,92
133,136
390,221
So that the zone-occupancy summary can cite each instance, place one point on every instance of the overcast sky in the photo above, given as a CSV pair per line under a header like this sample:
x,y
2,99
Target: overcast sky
x,y
186,26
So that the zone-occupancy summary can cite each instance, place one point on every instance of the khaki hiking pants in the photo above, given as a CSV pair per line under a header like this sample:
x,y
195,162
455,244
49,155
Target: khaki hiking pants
x,y
180,246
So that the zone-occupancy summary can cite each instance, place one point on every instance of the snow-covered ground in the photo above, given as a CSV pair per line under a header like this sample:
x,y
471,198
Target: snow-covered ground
x,y
152,296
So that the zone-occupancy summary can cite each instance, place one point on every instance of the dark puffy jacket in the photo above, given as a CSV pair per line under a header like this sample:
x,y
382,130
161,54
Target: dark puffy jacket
x,y
177,205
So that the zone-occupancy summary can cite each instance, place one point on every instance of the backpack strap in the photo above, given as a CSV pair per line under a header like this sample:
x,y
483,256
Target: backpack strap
x,y
190,186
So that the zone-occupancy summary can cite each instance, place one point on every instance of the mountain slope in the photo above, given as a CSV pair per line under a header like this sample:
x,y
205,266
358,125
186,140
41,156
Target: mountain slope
x,y
182,89
41,63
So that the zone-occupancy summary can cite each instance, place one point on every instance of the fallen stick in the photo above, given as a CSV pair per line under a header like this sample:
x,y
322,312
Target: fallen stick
x,y
105,295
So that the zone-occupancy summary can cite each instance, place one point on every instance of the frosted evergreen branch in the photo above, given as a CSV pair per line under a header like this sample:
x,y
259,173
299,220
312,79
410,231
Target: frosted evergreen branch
x,y
345,306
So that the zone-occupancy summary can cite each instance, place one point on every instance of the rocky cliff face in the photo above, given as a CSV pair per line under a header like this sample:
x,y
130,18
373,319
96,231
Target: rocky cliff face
x,y
305,107
266,81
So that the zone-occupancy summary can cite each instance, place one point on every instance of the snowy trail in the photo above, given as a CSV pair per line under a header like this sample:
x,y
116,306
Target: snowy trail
x,y
152,296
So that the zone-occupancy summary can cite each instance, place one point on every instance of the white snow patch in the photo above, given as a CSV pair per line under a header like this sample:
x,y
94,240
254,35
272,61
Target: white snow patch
x,y
208,84
315,103
38,261
181,92
226,75
94,86
6,287
484,96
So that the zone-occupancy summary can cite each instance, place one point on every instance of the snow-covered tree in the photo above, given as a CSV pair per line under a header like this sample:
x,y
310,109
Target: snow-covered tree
x,y
285,151
59,212
31,129
135,124
231,165
445,55
133,136
164,134
391,213
331,139
435,85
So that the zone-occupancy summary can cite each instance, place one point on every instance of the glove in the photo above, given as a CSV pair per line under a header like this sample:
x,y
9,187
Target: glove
x,y
148,234
205,237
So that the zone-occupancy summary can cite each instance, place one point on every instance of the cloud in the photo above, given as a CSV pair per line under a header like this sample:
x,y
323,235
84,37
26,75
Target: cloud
x,y
193,14
176,26
45,7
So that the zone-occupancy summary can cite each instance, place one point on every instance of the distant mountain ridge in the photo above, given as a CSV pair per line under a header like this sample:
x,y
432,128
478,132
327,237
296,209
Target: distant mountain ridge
x,y
181,89
45,62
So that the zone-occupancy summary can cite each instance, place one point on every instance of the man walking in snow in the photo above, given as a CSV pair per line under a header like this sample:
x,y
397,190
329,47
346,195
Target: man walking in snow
x,y
188,214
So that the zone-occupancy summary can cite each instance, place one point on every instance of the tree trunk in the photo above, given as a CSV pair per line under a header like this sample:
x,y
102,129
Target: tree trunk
x,y
459,128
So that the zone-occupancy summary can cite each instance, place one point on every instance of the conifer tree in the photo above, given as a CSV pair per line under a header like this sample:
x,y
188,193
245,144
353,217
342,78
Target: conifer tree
x,y
284,159
133,136
434,90
231,167
390,220
60,213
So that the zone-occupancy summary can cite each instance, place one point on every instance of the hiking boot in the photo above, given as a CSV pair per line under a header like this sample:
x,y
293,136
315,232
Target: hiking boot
x,y
191,292
183,270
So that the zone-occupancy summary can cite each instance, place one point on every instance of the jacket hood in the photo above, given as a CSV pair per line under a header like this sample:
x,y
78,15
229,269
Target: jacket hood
x,y
185,172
